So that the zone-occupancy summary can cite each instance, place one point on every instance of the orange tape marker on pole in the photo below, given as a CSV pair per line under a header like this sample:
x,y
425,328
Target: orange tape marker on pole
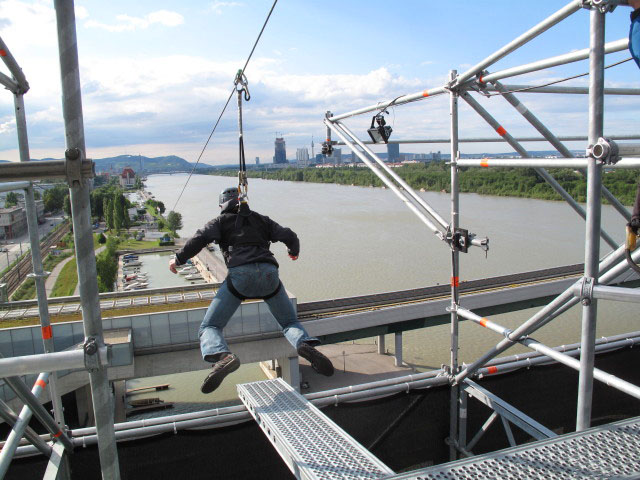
x,y
484,162
425,93
501,131
41,383
492,370
455,281
47,333
483,321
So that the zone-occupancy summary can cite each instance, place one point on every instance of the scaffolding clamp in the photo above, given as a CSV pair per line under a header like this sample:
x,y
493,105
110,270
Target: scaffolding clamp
x,y
76,167
91,357
605,150
604,6
586,290
461,240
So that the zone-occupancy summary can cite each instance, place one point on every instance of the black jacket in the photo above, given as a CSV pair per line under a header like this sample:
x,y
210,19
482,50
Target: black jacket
x,y
243,237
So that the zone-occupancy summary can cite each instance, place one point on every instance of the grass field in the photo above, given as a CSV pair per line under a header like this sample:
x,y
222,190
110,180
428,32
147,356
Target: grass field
x,y
131,244
67,280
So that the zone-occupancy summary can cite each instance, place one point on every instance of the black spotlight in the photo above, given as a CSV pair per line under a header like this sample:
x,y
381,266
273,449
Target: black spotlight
x,y
327,149
382,132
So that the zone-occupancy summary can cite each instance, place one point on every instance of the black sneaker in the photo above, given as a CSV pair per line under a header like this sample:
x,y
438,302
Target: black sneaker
x,y
222,368
319,362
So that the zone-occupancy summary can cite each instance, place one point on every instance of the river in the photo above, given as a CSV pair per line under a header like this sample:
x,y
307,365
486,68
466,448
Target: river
x,y
359,240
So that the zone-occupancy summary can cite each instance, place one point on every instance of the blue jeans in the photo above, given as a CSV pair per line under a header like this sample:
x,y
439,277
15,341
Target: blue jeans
x,y
252,280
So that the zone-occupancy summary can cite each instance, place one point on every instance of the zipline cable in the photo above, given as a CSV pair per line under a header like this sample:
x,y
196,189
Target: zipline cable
x,y
225,105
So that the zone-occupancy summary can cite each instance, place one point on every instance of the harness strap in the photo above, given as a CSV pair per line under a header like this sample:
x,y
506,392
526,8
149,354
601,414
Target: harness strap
x,y
237,294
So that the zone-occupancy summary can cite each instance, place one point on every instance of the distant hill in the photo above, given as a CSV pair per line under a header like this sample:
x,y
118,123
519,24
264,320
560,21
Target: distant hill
x,y
170,163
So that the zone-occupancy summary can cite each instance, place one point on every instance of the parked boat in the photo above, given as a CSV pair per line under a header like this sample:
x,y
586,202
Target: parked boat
x,y
188,271
132,263
194,276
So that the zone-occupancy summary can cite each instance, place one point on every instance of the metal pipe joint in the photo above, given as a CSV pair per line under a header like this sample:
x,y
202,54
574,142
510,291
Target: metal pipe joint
x,y
605,150
585,290
91,349
604,6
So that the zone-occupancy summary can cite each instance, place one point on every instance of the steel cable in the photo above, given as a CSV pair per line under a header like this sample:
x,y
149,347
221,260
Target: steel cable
x,y
225,106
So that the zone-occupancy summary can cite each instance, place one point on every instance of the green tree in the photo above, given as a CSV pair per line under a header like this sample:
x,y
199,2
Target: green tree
x,y
107,208
67,205
174,221
160,207
102,239
120,216
107,266
54,198
11,200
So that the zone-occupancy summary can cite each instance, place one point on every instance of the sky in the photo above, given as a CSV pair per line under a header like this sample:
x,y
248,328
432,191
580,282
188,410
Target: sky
x,y
156,74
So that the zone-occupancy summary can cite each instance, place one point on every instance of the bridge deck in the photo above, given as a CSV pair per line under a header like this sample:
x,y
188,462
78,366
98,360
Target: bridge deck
x,y
311,445
608,451
172,298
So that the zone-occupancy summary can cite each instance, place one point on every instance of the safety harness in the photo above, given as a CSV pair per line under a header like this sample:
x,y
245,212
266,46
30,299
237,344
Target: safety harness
x,y
249,231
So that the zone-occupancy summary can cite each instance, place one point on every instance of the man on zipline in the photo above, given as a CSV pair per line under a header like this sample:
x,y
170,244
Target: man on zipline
x,y
244,237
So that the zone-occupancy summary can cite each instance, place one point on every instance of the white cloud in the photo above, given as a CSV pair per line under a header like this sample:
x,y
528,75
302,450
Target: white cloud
x,y
81,12
218,7
8,126
378,82
128,23
40,18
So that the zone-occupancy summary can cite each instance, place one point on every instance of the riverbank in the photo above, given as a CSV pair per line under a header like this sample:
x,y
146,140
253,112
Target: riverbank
x,y
435,177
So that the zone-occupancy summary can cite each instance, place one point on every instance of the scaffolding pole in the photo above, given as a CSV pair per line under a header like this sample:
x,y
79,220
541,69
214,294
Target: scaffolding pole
x,y
541,27
555,142
574,163
564,90
563,358
9,416
38,275
455,270
336,128
22,86
473,103
565,299
10,186
592,235
565,138
13,440
571,57
81,213
412,193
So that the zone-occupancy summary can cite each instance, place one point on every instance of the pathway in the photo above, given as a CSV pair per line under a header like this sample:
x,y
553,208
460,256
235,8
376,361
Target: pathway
x,y
51,279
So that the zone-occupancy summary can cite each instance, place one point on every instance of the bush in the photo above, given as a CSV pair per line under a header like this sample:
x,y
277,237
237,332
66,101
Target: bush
x,y
102,239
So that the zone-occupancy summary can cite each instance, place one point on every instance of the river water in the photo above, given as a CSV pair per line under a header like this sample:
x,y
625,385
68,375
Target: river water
x,y
359,240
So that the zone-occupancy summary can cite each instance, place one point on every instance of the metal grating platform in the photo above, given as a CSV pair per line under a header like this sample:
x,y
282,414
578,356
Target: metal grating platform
x,y
609,451
312,446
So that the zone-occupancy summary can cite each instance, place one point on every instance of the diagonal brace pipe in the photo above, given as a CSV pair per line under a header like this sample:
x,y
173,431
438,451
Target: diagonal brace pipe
x,y
556,143
541,318
335,128
473,103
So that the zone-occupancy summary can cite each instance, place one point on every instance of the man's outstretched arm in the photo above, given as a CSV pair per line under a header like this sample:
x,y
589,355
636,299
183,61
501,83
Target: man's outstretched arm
x,y
203,237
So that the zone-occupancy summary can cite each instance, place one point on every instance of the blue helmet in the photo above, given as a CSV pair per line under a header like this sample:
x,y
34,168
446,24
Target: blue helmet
x,y
227,194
